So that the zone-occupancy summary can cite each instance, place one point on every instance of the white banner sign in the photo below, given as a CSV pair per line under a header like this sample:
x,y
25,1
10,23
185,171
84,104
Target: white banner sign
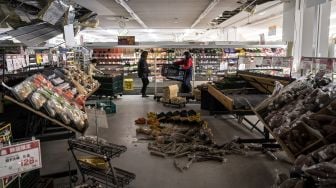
x,y
20,158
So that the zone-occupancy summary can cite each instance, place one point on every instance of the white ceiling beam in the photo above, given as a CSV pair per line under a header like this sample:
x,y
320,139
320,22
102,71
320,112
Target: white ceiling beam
x,y
131,12
211,5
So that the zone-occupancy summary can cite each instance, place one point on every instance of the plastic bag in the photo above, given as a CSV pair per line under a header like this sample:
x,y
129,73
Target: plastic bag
x,y
54,105
324,170
23,90
57,81
37,100
278,87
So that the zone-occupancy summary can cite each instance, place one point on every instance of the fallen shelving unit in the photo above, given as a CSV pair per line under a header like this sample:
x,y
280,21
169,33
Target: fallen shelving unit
x,y
110,176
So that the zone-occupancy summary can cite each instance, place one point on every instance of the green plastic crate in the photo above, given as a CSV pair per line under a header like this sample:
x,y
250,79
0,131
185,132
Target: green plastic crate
x,y
108,106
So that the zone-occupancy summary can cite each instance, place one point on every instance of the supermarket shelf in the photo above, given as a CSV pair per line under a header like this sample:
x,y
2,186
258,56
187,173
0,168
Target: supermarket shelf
x,y
106,176
6,97
93,91
109,150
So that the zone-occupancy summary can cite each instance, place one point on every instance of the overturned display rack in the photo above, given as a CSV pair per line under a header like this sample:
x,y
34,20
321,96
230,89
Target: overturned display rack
x,y
110,176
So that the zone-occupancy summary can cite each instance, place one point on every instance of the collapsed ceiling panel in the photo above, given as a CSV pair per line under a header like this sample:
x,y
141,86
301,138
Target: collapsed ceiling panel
x,y
35,34
244,5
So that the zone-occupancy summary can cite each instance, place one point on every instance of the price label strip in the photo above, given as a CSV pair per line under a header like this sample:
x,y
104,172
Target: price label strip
x,y
20,158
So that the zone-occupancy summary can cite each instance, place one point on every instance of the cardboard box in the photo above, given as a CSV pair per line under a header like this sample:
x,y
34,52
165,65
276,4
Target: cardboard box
x,y
170,91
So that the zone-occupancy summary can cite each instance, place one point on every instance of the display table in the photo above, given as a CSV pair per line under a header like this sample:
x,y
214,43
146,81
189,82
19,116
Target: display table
x,y
264,83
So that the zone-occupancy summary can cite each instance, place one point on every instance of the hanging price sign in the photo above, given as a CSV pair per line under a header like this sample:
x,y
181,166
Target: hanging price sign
x,y
20,158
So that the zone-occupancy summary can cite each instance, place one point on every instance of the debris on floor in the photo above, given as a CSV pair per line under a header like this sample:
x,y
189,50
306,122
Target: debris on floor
x,y
183,134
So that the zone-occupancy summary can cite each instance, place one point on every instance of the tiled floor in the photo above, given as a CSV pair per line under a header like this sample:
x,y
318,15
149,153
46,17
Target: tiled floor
x,y
252,171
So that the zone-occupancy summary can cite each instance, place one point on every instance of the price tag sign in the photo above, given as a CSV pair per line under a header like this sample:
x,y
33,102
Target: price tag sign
x,y
20,158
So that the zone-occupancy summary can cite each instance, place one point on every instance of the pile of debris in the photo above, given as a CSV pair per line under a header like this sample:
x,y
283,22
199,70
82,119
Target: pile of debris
x,y
183,134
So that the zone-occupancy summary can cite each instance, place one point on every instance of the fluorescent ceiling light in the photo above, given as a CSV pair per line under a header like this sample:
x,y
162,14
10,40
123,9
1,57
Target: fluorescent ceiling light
x,y
149,30
261,13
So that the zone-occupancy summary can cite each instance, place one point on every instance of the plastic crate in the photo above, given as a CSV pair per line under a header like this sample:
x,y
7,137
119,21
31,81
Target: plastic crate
x,y
128,84
172,72
108,79
111,88
108,106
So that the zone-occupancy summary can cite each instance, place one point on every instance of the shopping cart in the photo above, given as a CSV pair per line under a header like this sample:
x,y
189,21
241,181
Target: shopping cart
x,y
173,72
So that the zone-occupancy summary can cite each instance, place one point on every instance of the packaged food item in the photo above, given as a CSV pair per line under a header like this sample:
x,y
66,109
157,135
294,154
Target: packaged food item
x,y
80,100
54,106
68,95
64,86
23,90
52,76
57,81
38,100
65,119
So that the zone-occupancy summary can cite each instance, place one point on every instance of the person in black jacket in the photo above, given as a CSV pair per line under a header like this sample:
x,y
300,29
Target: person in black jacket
x,y
143,72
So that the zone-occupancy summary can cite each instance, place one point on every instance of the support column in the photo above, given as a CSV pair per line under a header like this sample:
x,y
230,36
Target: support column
x,y
307,27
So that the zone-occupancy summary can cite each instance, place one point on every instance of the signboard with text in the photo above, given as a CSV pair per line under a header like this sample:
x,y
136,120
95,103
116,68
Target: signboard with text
x,y
20,158
126,40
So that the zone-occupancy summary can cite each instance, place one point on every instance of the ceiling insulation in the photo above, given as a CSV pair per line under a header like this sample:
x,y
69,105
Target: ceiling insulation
x,y
245,5
26,18
35,34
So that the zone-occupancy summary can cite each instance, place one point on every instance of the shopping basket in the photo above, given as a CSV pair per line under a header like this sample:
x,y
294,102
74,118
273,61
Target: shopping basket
x,y
173,72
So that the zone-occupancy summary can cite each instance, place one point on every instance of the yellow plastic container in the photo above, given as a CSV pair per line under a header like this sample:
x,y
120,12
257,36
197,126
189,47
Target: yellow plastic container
x,y
128,84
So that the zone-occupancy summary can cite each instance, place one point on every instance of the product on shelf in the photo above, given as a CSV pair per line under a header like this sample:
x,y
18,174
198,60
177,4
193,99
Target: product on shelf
x,y
58,101
38,100
84,83
317,169
301,116
23,90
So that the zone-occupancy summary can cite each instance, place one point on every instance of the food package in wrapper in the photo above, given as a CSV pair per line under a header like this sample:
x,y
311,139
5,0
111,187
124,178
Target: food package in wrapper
x,y
322,171
54,107
94,161
65,119
40,81
57,81
23,90
76,116
170,91
38,100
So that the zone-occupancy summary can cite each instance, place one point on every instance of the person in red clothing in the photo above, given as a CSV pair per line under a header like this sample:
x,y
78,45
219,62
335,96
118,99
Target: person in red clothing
x,y
187,65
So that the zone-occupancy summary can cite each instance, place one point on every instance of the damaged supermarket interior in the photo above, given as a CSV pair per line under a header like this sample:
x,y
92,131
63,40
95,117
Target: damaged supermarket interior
x,y
168,93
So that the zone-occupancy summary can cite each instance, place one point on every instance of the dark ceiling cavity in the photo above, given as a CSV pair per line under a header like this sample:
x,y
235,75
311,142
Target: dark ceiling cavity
x,y
246,5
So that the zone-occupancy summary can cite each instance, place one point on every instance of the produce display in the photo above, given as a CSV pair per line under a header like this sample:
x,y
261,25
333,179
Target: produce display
x,y
85,82
54,93
302,115
317,169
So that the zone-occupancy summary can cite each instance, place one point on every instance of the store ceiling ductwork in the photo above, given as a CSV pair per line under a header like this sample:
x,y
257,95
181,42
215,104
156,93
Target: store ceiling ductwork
x,y
245,5
35,21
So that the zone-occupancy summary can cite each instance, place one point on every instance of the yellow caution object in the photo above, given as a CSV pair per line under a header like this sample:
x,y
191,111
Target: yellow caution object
x,y
128,84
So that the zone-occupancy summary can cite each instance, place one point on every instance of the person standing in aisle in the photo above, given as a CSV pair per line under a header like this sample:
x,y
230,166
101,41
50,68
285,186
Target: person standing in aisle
x,y
187,65
143,72
91,69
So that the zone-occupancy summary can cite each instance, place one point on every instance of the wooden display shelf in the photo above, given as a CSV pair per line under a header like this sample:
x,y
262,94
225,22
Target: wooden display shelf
x,y
279,141
225,100
6,97
93,91
264,83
